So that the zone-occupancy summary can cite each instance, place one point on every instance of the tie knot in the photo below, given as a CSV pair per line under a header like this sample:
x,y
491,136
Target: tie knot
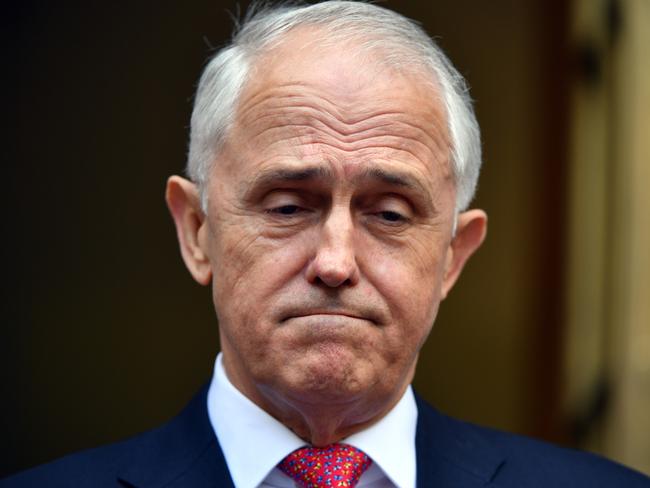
x,y
333,466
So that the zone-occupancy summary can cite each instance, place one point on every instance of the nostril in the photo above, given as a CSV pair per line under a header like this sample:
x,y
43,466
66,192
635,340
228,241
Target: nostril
x,y
332,283
331,271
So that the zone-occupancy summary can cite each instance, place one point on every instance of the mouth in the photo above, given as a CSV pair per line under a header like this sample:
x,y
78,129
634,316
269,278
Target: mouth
x,y
329,314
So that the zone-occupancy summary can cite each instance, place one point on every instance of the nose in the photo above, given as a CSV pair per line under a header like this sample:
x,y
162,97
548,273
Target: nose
x,y
334,262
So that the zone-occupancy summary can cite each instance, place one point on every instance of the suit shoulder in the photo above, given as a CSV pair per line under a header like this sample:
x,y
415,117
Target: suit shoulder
x,y
154,457
511,460
544,464
95,467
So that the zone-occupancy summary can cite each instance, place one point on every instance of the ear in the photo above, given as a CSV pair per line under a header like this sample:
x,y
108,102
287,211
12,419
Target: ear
x,y
470,233
184,204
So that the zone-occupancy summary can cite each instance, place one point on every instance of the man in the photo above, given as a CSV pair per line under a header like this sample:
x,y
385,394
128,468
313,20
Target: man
x,y
333,155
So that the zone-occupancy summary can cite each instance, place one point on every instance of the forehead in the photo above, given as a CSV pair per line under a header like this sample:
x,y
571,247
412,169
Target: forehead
x,y
329,97
342,68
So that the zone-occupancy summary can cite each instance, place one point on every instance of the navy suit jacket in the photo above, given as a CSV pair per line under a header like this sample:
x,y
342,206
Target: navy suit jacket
x,y
450,454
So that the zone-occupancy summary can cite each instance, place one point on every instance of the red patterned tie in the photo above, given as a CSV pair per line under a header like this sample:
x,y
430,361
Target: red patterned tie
x,y
333,466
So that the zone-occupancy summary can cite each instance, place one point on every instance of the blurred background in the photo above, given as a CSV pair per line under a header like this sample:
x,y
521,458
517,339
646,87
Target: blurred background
x,y
104,334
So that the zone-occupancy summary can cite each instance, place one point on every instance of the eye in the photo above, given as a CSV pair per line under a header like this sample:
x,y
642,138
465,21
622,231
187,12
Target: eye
x,y
390,211
391,216
285,210
286,205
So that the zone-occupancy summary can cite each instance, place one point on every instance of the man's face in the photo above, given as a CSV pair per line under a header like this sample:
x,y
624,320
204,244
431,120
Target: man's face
x,y
328,229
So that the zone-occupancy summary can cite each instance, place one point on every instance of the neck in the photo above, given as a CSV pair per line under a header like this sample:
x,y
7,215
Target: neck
x,y
328,422
320,419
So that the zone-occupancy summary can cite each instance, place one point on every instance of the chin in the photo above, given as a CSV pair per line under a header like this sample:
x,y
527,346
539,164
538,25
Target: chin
x,y
332,377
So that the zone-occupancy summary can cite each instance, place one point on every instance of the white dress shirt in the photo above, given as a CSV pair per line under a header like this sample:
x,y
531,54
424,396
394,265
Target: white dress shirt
x,y
253,442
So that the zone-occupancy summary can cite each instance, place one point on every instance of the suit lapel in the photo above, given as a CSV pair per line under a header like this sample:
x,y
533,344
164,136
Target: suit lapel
x,y
452,454
183,452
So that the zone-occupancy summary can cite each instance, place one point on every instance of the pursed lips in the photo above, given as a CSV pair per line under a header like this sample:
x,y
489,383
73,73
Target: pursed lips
x,y
332,313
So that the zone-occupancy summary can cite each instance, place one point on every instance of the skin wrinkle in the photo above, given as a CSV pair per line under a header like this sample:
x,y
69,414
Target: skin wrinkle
x,y
337,120
347,143
337,126
322,103
314,135
352,147
309,99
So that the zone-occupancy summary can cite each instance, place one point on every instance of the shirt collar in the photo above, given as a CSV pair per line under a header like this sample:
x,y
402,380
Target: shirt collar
x,y
253,442
390,442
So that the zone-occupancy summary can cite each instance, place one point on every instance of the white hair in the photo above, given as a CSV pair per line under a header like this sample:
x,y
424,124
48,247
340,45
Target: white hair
x,y
402,43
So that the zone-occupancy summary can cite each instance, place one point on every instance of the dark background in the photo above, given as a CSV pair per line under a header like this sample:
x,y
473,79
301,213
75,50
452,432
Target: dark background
x,y
105,334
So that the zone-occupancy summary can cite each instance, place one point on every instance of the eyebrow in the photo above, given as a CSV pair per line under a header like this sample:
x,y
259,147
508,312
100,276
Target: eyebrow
x,y
289,175
393,178
275,176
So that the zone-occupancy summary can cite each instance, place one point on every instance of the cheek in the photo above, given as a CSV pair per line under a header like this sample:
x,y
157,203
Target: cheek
x,y
409,279
247,272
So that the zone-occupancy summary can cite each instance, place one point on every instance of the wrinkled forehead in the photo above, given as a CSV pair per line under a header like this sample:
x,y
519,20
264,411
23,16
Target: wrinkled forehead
x,y
348,85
